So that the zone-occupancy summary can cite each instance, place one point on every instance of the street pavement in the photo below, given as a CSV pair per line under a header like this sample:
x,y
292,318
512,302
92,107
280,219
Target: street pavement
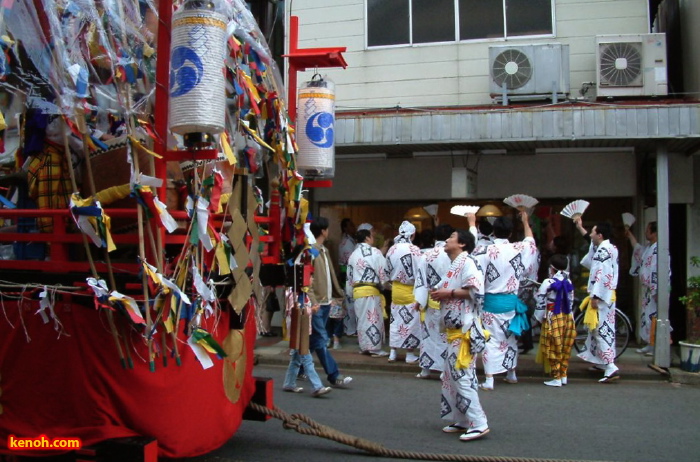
x,y
633,366
626,421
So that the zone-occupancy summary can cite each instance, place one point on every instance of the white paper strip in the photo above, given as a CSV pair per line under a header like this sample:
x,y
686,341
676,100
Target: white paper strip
x,y
202,222
201,354
99,286
201,287
165,217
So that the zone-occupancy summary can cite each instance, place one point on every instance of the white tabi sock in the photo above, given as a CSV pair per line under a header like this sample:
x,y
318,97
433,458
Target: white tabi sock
x,y
610,369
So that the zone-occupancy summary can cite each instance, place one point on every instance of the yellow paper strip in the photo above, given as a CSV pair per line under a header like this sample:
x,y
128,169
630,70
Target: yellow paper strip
x,y
141,146
257,138
227,149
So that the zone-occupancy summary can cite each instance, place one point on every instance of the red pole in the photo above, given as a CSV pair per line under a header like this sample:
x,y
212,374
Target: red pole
x,y
165,14
274,247
292,72
162,103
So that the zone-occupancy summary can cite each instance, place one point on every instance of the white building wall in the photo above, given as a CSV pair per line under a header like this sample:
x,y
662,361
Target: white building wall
x,y
447,74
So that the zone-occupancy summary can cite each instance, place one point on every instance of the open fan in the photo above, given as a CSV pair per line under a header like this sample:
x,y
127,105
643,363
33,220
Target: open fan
x,y
575,209
521,202
628,219
463,210
491,220
432,210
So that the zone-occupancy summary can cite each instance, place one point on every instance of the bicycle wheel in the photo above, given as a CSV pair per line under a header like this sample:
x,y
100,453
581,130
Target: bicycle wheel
x,y
581,333
623,331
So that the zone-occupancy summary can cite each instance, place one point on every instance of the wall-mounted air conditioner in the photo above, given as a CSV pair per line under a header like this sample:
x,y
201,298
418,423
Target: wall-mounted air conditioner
x,y
631,65
534,71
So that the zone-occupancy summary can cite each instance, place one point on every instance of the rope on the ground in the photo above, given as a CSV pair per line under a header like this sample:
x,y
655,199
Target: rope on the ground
x,y
306,426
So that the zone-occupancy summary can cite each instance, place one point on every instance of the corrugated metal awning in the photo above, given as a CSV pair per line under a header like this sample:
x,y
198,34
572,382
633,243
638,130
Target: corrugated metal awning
x,y
400,132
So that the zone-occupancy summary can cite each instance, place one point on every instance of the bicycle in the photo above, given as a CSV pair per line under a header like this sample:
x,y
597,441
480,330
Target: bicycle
x,y
623,330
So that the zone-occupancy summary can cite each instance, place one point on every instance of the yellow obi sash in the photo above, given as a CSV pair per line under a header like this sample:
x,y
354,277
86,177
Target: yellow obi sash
x,y
590,319
434,304
464,357
367,290
402,294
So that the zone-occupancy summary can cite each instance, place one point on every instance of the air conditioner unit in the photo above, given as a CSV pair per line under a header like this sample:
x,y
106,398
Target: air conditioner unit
x,y
529,71
631,65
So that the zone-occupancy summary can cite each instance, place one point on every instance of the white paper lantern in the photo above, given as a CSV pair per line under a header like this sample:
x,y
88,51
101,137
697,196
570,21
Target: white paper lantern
x,y
316,128
197,85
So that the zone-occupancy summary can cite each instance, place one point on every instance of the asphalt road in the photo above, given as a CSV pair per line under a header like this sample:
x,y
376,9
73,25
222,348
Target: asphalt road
x,y
626,421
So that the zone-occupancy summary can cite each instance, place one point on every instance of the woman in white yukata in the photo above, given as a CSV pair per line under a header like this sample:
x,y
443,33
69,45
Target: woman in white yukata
x,y
461,294
403,260
366,275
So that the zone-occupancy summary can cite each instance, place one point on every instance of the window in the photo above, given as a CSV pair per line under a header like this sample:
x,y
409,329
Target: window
x,y
433,20
405,22
387,22
480,19
529,17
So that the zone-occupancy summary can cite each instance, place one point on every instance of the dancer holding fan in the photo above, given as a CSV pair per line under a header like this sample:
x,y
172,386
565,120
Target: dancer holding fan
x,y
644,266
502,264
602,260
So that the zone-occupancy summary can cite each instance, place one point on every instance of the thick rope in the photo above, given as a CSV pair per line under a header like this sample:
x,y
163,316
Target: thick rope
x,y
306,426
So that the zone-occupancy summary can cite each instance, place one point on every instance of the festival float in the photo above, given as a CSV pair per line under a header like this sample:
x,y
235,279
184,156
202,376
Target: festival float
x,y
142,190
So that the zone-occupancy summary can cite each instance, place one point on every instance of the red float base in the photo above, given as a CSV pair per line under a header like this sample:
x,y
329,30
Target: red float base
x,y
75,386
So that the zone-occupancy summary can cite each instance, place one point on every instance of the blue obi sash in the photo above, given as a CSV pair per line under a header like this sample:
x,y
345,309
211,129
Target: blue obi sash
x,y
503,303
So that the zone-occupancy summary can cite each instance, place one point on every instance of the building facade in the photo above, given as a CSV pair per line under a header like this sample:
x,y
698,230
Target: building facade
x,y
422,116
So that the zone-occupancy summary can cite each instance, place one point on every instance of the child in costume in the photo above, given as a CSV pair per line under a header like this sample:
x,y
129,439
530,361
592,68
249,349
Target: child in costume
x,y
555,299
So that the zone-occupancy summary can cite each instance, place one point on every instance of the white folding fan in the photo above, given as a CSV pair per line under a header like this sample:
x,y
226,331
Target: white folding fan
x,y
432,210
521,201
463,210
628,219
575,209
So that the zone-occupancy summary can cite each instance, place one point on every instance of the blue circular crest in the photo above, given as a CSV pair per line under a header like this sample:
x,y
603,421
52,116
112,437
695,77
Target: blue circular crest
x,y
186,71
319,129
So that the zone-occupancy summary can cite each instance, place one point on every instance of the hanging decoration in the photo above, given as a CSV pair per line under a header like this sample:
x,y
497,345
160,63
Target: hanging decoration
x,y
316,128
197,85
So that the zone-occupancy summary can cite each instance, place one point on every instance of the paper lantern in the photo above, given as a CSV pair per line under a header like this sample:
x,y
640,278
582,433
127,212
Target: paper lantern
x,y
489,210
197,86
315,129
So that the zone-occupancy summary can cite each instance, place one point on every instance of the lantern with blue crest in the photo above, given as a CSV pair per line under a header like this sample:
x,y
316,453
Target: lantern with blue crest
x,y
197,84
316,128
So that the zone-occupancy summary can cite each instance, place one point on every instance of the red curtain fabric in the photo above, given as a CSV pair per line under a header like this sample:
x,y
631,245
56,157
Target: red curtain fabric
x,y
75,386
